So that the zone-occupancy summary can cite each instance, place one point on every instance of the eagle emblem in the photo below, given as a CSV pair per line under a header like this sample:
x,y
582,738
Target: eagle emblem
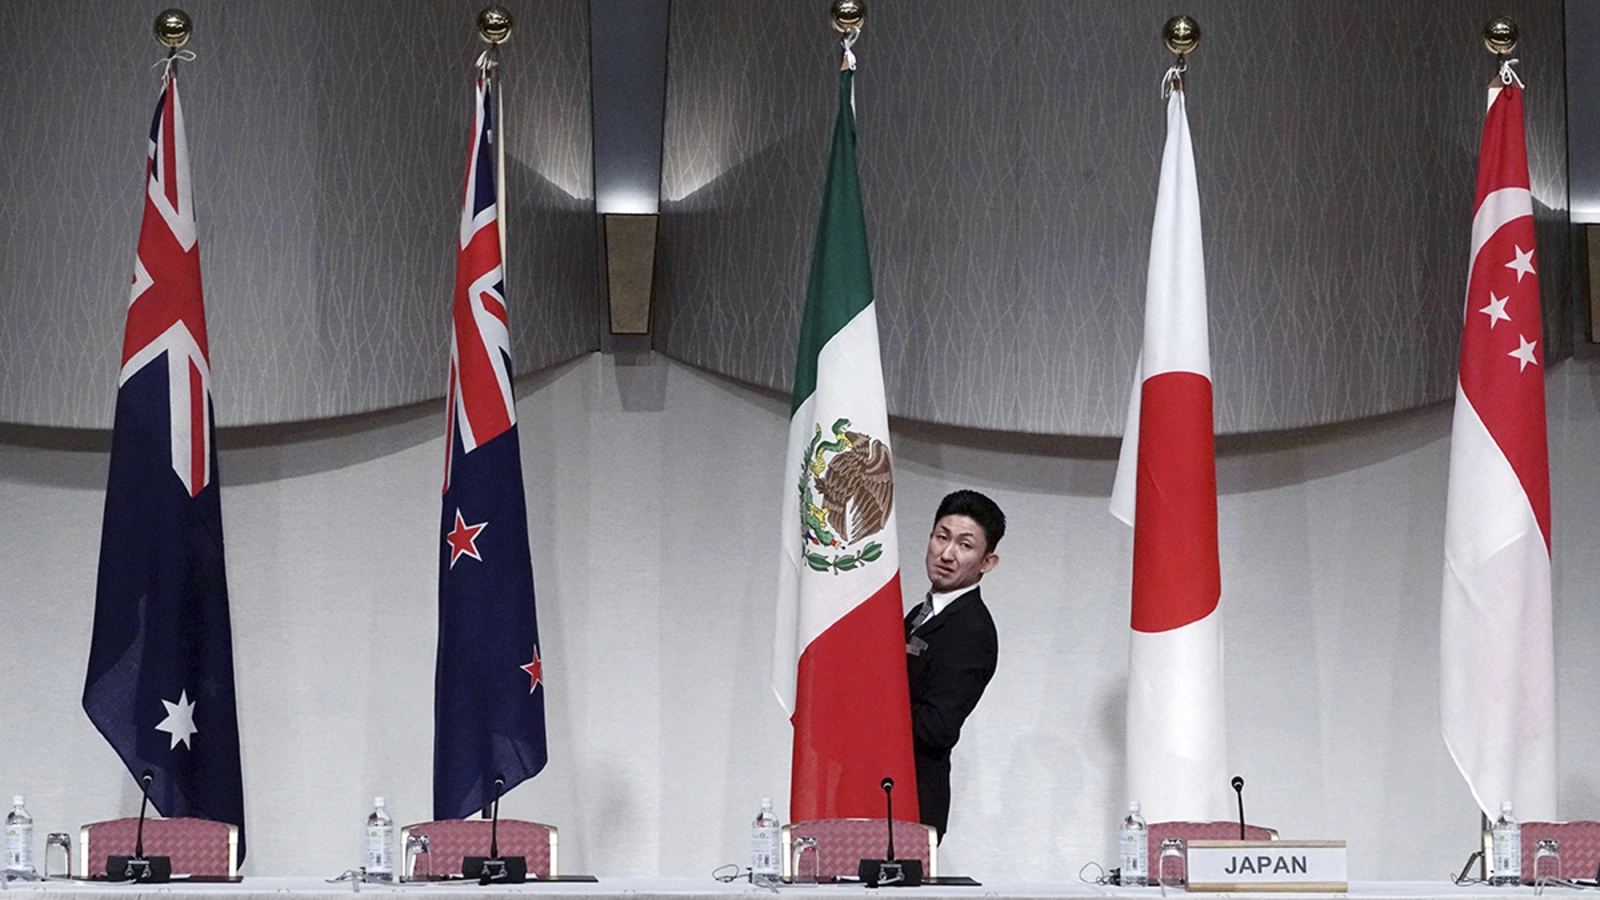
x,y
846,496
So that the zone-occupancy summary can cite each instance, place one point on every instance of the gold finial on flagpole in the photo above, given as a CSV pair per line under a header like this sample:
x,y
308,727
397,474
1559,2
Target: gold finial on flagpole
x,y
494,25
848,15
1181,35
1500,35
173,28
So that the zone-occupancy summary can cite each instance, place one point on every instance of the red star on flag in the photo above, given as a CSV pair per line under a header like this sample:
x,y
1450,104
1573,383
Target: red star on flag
x,y
462,540
534,669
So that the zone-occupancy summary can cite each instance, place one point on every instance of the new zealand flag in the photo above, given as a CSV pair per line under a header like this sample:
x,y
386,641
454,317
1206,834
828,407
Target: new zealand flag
x,y
160,680
488,685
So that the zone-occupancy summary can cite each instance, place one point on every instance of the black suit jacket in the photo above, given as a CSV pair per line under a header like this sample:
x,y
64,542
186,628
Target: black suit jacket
x,y
949,661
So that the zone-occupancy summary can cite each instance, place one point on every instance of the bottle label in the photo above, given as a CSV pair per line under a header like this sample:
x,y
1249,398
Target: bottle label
x,y
1508,853
1134,850
764,851
19,845
380,841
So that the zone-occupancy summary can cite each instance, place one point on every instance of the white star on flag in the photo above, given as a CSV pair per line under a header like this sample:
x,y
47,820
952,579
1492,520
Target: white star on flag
x,y
1524,353
1496,310
179,721
1523,263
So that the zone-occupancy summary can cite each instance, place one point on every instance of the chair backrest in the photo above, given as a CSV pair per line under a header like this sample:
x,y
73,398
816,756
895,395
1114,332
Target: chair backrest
x,y
451,839
843,843
1580,848
196,846
1191,831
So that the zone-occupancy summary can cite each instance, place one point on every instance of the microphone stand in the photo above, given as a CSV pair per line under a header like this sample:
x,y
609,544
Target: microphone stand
x,y
890,872
1238,788
495,869
151,869
494,822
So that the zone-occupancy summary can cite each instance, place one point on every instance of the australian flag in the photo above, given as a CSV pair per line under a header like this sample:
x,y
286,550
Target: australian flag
x,y
489,681
160,681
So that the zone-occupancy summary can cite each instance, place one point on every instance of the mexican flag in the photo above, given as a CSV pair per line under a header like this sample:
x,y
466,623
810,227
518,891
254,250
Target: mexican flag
x,y
839,664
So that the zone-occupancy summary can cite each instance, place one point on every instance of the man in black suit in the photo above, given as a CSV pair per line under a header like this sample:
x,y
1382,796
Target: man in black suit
x,y
951,645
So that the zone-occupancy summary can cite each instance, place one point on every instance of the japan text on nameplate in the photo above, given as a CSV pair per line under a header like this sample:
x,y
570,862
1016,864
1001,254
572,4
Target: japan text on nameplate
x,y
1309,866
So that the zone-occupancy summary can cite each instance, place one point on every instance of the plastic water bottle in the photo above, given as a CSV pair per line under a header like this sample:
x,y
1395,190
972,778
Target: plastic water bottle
x,y
1134,841
765,837
19,839
1507,836
380,843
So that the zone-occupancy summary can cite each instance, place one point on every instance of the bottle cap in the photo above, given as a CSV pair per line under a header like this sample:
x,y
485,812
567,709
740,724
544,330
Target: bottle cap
x,y
766,802
1133,806
17,800
377,802
1505,805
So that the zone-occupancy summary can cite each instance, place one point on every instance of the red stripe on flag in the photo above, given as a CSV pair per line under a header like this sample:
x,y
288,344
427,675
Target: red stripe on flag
x,y
174,293
169,152
851,691
449,428
1508,394
485,409
1176,579
1503,155
197,431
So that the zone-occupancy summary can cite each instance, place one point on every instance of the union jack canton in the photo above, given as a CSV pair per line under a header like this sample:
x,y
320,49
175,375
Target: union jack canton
x,y
160,676
488,683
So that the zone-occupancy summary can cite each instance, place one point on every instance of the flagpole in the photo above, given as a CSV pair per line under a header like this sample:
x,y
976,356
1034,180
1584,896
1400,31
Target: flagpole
x,y
1500,39
1176,735
162,580
494,27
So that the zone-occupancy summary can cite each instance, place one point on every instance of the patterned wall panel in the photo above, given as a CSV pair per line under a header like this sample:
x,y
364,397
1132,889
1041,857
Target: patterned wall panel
x,y
1009,157
327,142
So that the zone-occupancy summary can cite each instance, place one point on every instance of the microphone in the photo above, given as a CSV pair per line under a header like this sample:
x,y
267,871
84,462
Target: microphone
x,y
138,867
494,822
495,869
1238,788
889,872
138,836
888,803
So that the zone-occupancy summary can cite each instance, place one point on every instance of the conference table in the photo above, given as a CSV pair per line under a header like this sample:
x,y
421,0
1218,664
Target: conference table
x,y
706,888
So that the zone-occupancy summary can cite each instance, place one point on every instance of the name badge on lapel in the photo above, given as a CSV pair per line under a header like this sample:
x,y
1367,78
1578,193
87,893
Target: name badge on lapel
x,y
915,646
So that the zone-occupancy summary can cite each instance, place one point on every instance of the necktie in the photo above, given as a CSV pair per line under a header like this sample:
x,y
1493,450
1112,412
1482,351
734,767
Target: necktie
x,y
924,613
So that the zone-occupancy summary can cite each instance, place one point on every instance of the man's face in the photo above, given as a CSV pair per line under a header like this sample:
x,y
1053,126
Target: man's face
x,y
957,554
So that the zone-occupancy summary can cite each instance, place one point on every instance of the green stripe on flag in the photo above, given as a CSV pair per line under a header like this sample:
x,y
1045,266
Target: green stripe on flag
x,y
840,286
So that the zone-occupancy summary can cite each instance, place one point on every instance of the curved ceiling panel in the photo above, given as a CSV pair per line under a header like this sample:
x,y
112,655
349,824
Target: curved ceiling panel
x,y
327,142
1009,158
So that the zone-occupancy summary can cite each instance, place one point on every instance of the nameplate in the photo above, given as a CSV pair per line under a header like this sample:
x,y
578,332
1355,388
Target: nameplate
x,y
1279,866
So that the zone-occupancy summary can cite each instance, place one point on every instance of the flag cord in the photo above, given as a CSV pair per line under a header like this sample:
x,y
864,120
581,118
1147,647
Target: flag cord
x,y
849,41
1509,75
170,60
488,60
1173,80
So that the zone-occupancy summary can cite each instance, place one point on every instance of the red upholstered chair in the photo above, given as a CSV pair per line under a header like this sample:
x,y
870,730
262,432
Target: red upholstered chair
x,y
451,839
1192,831
196,846
1580,848
843,843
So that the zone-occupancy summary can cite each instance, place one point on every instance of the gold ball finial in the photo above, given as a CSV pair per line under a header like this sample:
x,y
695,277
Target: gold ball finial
x,y
494,25
848,15
1500,35
1181,34
173,28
